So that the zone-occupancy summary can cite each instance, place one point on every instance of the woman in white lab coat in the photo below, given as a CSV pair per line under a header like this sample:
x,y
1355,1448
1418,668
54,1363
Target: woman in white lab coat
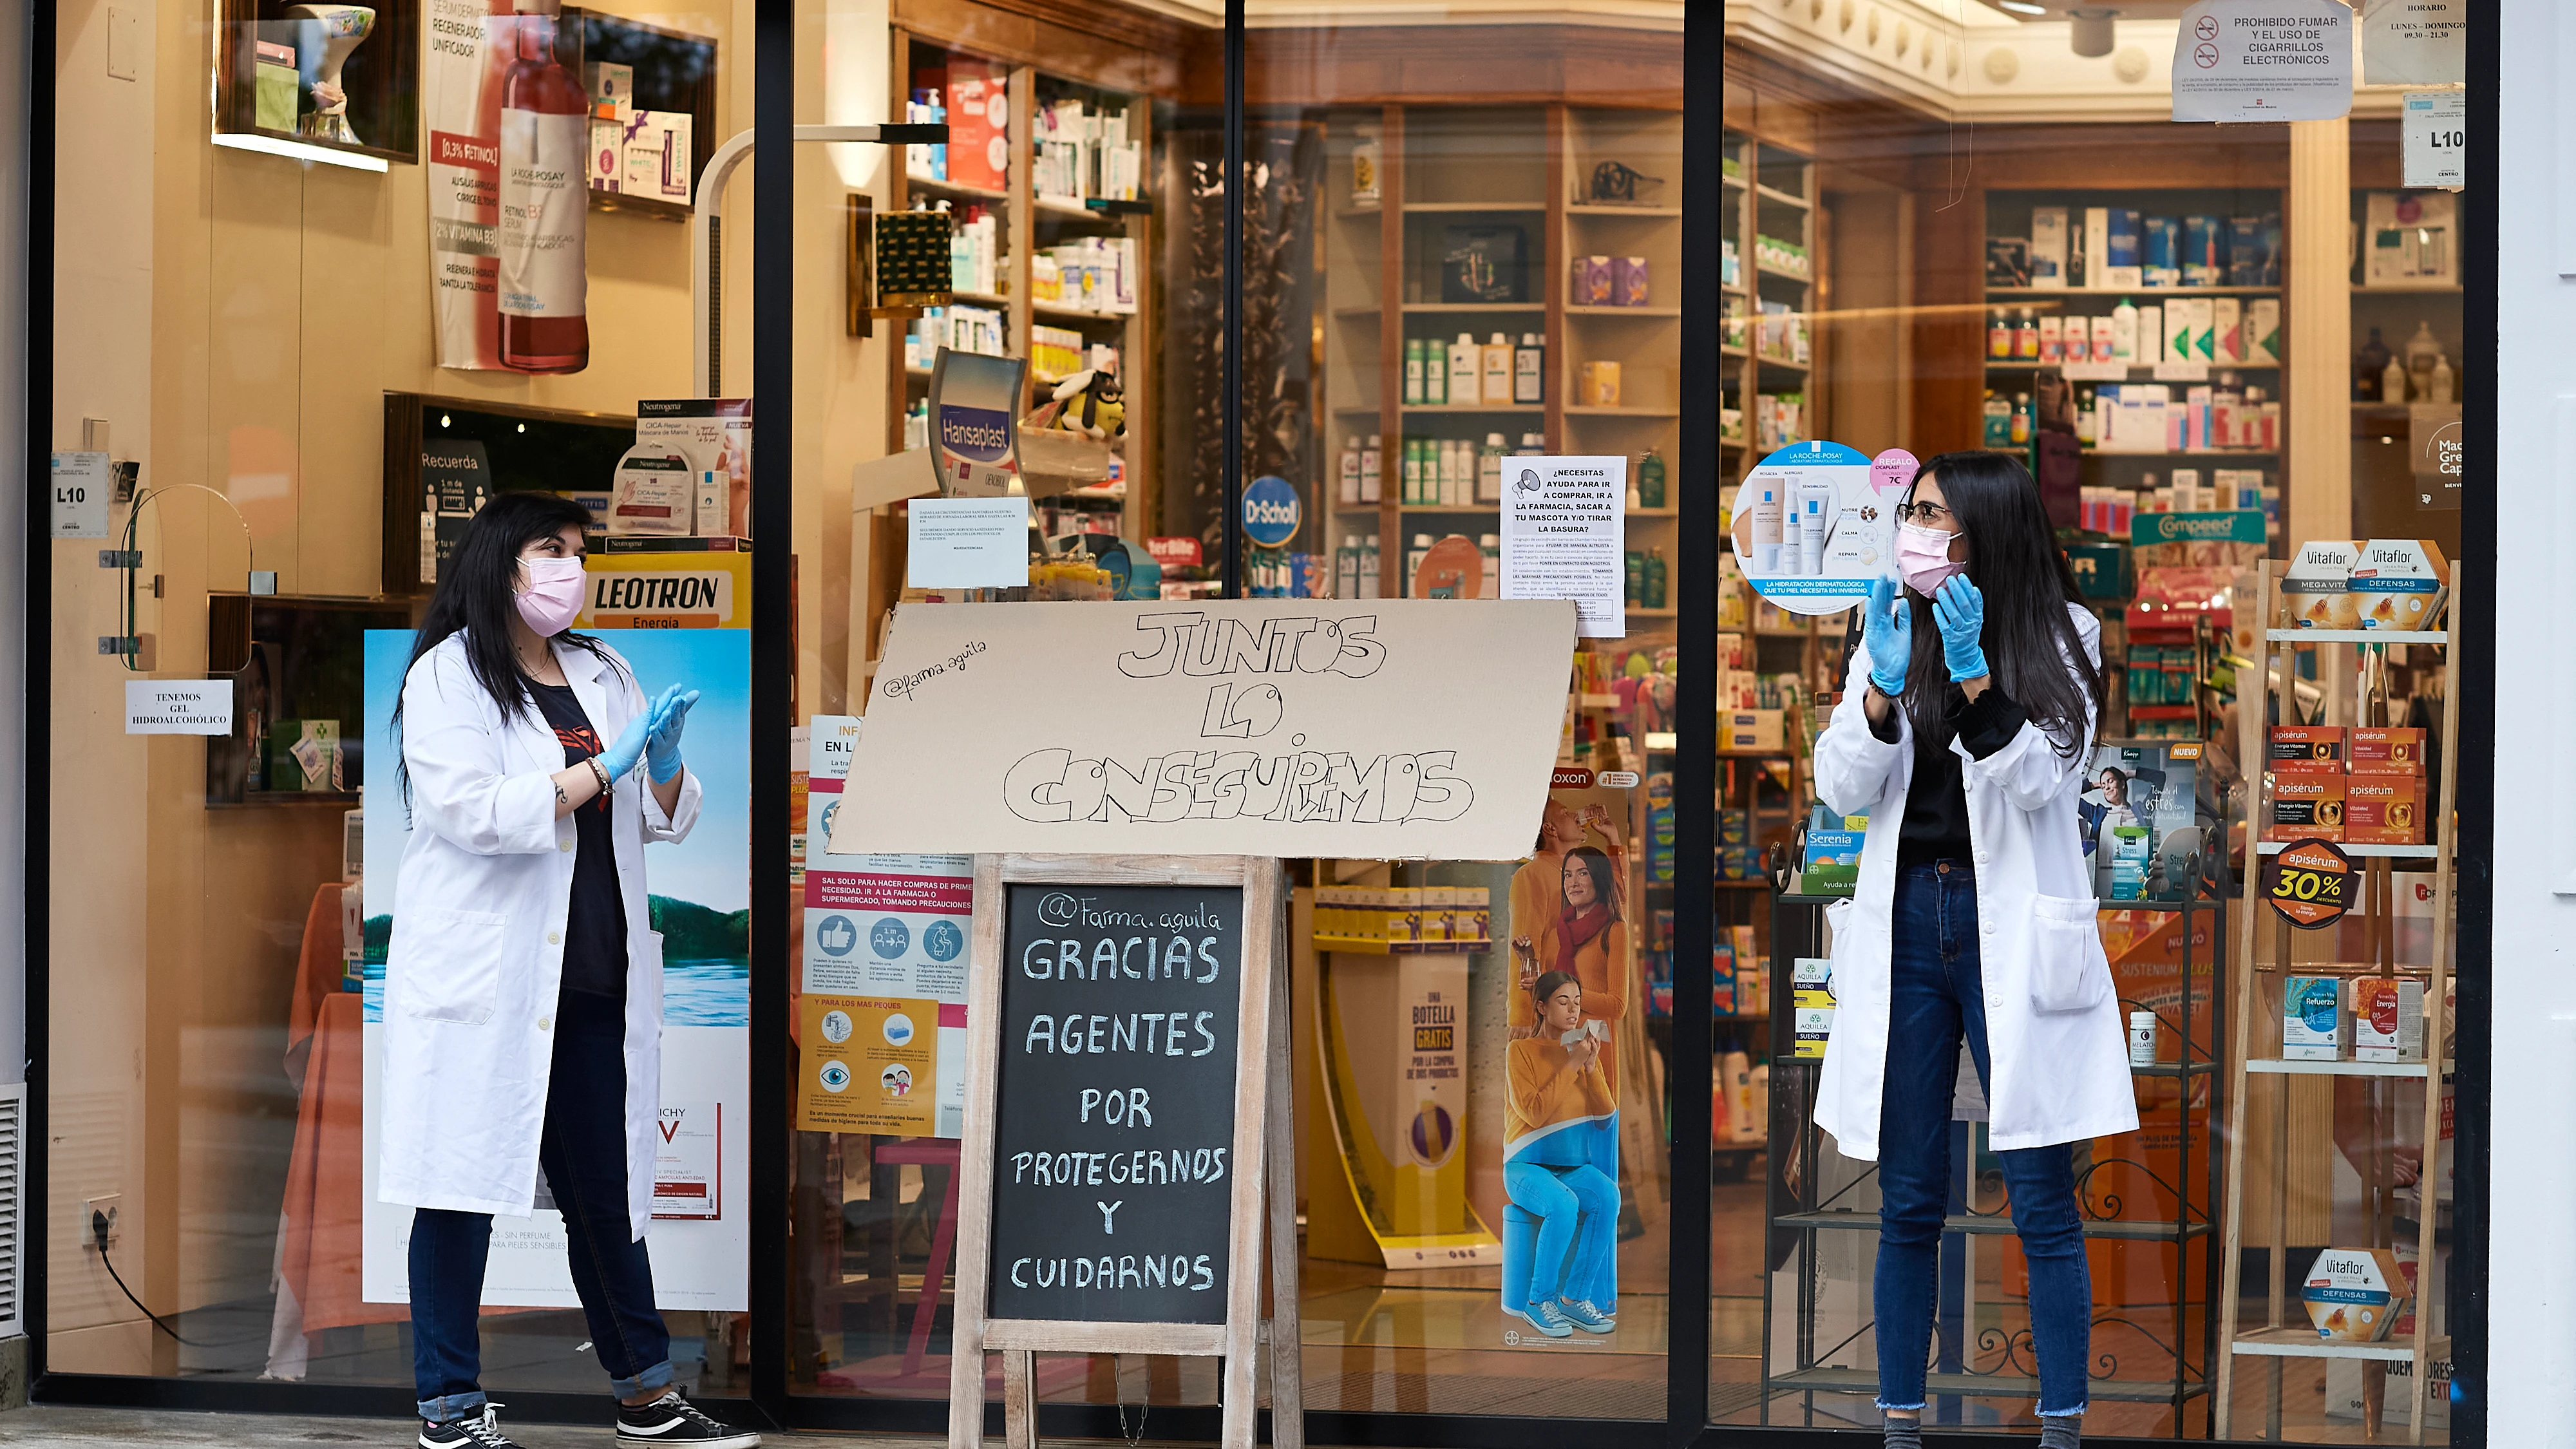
x,y
523,984
1962,734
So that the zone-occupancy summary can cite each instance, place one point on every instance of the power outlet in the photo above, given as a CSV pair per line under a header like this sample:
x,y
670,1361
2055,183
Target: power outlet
x,y
91,1211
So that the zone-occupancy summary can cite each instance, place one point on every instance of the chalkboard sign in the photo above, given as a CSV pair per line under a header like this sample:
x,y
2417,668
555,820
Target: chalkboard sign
x,y
1129,1150
1111,1172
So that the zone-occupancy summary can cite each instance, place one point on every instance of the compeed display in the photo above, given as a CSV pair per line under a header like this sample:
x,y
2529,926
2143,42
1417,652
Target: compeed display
x,y
1113,1170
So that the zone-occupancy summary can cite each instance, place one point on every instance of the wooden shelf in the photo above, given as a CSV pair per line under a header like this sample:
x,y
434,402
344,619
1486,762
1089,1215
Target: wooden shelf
x,y
2277,1067
2357,636
1466,408
1620,412
953,188
2391,852
1595,311
1442,307
2133,293
981,299
2304,1343
1773,193
1080,314
1604,208
1471,208
1802,278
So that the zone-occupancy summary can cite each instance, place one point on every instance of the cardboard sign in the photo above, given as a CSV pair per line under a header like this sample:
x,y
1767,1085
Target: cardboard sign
x,y
2283,60
1386,728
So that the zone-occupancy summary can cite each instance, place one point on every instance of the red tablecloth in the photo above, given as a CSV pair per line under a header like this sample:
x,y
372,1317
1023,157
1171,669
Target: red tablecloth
x,y
325,1177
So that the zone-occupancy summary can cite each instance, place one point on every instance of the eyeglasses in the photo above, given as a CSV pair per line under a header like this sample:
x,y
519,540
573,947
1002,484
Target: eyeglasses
x,y
1930,515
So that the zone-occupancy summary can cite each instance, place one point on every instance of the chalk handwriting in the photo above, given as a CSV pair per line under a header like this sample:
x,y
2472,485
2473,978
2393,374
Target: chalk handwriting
x,y
1053,786
1124,1271
1204,647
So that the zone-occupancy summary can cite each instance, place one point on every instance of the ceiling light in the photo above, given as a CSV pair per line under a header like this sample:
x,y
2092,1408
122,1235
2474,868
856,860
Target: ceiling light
x,y
2022,7
2090,29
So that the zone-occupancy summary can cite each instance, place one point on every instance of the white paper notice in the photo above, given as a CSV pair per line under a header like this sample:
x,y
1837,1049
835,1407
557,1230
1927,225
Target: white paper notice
x,y
2415,43
178,706
80,495
969,543
2263,60
1565,535
2436,134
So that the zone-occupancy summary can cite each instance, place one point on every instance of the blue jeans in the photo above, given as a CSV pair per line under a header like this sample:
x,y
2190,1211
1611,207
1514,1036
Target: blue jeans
x,y
1578,1217
1936,995
583,1154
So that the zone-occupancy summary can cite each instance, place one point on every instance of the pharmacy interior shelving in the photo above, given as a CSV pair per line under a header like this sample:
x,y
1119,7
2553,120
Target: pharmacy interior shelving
x,y
2015,311
1444,172
1029,224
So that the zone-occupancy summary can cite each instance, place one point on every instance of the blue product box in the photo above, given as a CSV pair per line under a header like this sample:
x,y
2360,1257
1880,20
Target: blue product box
x,y
2124,239
2162,239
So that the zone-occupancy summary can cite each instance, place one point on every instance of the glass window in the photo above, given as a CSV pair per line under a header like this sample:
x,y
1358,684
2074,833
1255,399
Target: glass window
x,y
404,261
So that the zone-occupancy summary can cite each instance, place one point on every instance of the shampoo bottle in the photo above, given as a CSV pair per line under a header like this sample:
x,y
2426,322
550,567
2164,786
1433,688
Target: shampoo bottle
x,y
1435,372
1466,370
1369,567
1529,370
1413,394
2124,332
1412,490
1349,472
1372,466
1498,371
1489,470
1650,480
1655,596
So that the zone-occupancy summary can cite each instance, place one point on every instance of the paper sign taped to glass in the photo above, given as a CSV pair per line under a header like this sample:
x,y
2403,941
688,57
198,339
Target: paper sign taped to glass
x,y
1382,728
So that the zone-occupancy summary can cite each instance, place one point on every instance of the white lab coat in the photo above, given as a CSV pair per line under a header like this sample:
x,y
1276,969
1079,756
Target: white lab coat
x,y
2058,1053
476,959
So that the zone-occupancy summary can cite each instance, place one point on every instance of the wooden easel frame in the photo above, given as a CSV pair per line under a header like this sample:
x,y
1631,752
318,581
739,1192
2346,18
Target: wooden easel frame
x,y
1264,1144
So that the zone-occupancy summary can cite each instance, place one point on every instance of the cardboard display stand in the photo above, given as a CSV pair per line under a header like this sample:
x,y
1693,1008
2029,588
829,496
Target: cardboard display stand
x,y
1128,1134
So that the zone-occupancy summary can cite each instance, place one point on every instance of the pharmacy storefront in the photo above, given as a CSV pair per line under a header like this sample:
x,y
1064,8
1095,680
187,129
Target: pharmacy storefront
x,y
1440,456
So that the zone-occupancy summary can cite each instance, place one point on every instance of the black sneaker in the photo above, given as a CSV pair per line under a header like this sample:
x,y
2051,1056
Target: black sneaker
x,y
672,1419
478,1429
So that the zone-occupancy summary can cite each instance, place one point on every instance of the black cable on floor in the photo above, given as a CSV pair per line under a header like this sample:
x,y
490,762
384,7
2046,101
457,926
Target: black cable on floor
x,y
98,1237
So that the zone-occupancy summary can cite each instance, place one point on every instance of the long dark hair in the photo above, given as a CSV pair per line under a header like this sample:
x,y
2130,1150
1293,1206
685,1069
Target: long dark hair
x,y
474,598
2031,641
1596,864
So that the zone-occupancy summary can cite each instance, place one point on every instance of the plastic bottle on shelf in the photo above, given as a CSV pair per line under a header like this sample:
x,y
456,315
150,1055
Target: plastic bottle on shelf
x,y
1491,546
2026,336
1413,393
1372,467
1369,571
2440,382
2124,332
1346,568
1498,371
1466,370
1414,466
2392,382
1529,370
1348,473
1999,337
2422,351
1435,372
1489,470
1656,598
1650,480
2021,419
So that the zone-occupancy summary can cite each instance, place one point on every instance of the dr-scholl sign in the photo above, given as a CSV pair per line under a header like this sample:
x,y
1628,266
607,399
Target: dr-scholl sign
x,y
1270,512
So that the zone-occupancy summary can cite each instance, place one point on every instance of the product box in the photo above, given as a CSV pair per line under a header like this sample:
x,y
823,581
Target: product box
x,y
1594,285
1628,281
1600,384
1832,864
2305,749
2385,750
607,155
659,160
712,434
2387,1019
2354,1295
2305,807
2097,246
305,754
2204,328
1439,914
2263,330
2048,270
2383,810
1811,984
2161,242
1751,729
2316,589
654,493
2227,330
711,506
1475,913
2314,1024
276,86
611,87
2399,583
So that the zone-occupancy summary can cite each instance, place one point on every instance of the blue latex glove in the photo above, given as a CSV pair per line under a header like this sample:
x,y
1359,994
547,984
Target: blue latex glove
x,y
669,715
1887,632
1960,611
620,757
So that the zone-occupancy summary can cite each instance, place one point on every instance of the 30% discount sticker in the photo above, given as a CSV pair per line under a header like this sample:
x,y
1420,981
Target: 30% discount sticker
x,y
2310,882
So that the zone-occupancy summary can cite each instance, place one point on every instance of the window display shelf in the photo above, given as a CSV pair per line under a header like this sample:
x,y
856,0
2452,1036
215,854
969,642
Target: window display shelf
x,y
1773,193
1606,208
2277,1066
2000,1224
1413,307
2357,636
1576,311
1462,408
1620,412
1477,208
1984,1386
2304,1343
2400,852
2133,293
955,189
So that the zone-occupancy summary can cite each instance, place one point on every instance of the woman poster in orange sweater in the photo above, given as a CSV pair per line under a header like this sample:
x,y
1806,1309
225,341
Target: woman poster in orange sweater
x,y
1560,1126
1582,935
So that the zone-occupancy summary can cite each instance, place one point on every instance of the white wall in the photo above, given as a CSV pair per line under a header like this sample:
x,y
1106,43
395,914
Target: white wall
x,y
2532,1183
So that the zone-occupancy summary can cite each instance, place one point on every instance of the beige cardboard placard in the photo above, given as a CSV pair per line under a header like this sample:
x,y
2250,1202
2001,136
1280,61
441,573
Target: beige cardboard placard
x,y
1368,728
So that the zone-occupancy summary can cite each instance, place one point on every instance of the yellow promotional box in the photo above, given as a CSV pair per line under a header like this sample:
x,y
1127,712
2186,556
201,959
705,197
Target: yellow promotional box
x,y
683,589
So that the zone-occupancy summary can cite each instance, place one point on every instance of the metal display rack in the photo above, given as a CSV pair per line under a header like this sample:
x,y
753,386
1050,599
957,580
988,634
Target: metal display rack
x,y
1798,1208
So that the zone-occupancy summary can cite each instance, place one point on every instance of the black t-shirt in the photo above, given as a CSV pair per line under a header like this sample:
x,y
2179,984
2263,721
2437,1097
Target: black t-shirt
x,y
1936,798
594,958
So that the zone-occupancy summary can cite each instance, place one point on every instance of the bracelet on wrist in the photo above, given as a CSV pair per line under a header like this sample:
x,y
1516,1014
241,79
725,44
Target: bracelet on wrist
x,y
596,768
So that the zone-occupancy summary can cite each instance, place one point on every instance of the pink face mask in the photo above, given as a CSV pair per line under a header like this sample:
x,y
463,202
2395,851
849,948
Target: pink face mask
x,y
552,599
1923,558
